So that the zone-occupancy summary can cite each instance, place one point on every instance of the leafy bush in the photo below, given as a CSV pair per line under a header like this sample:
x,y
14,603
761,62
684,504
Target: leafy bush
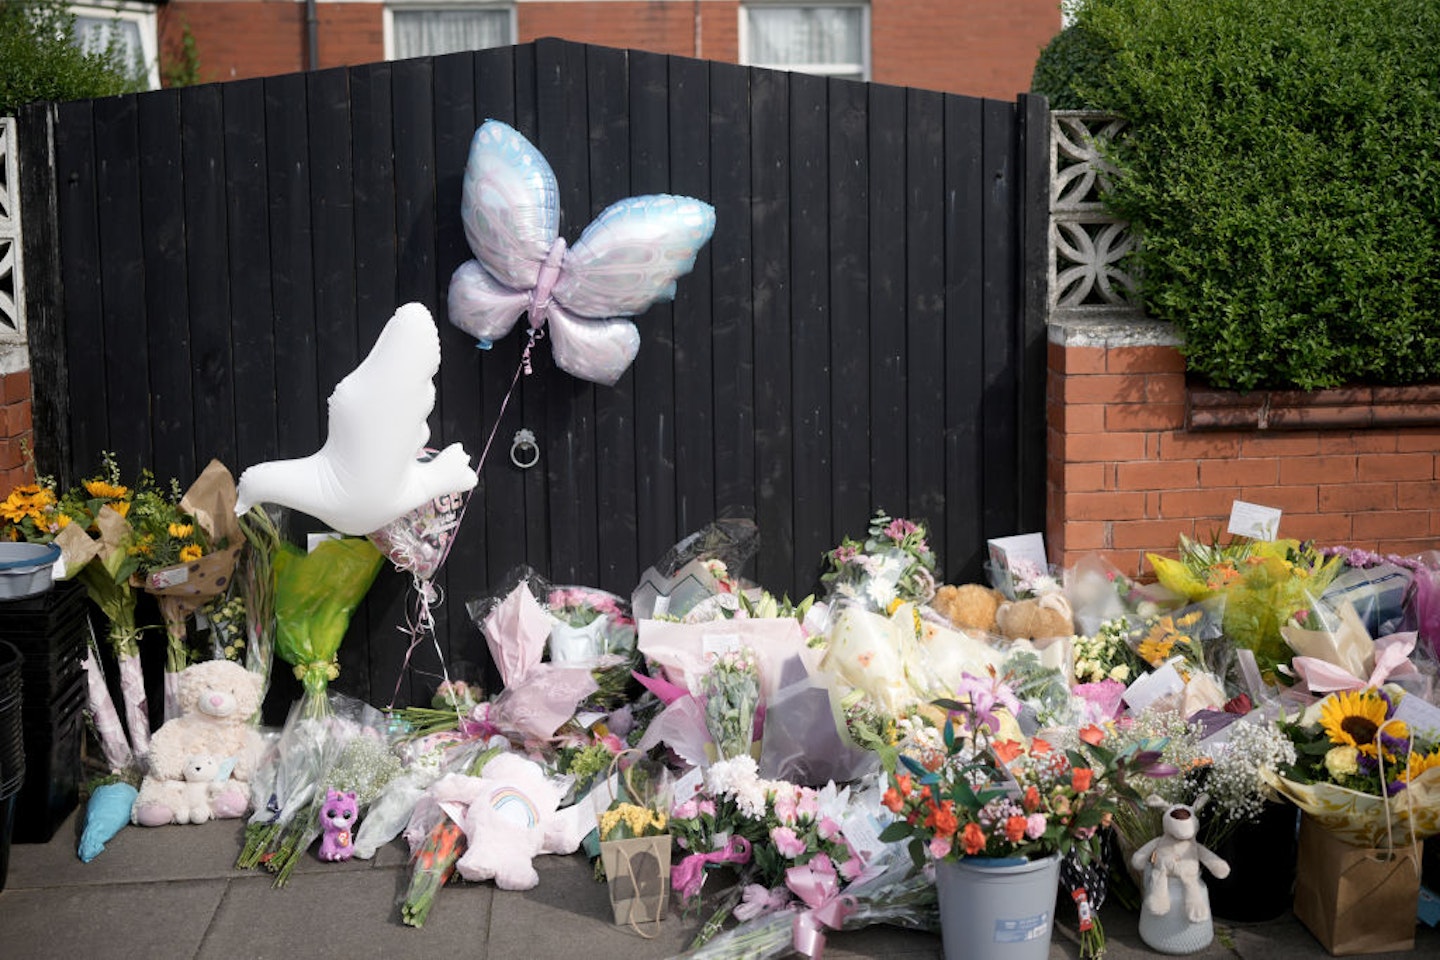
x,y
40,60
1282,165
1073,57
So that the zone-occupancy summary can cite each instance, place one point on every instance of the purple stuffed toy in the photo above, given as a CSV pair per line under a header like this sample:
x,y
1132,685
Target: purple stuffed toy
x,y
337,820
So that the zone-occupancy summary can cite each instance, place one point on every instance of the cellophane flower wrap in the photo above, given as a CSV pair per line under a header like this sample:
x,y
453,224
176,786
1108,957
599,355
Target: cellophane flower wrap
x,y
255,575
785,842
316,593
893,563
1264,584
732,696
292,776
187,547
594,627
1362,772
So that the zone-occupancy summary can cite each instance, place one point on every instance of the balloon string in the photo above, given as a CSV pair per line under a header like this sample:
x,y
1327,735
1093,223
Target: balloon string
x,y
419,621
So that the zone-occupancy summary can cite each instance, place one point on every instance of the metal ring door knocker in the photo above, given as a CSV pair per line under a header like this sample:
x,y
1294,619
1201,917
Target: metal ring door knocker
x,y
524,452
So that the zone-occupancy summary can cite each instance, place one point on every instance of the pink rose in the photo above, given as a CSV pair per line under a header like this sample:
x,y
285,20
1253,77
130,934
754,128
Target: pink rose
x,y
789,845
939,849
688,810
1035,826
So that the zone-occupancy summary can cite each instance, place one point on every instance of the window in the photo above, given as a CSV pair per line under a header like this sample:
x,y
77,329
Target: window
x,y
427,28
132,25
828,39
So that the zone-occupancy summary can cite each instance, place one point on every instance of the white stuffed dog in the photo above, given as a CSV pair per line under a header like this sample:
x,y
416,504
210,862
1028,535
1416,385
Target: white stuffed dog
x,y
1176,853
217,699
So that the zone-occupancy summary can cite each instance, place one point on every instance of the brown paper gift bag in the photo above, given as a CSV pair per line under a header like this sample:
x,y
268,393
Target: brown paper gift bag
x,y
1354,899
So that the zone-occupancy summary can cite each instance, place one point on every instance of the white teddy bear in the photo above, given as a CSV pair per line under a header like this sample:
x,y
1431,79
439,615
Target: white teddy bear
x,y
217,699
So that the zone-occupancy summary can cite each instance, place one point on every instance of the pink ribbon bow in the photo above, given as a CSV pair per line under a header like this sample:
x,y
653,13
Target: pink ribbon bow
x,y
817,884
688,874
1392,659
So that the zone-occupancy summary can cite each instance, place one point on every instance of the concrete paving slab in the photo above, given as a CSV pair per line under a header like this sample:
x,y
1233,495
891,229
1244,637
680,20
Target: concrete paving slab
x,y
117,921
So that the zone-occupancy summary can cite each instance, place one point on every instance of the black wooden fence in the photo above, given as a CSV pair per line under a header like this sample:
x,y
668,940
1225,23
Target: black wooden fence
x,y
865,330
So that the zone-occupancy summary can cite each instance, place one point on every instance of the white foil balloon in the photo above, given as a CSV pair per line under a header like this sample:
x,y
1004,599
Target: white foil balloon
x,y
370,471
625,261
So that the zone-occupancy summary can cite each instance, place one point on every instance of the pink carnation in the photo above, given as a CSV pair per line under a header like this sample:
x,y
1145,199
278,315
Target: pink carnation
x,y
1035,826
789,845
939,848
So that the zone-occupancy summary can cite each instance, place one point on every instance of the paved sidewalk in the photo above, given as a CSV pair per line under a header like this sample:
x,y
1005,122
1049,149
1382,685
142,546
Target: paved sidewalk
x,y
172,893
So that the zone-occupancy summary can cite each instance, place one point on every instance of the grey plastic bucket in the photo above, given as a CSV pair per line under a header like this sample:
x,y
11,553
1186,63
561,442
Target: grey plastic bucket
x,y
25,569
997,909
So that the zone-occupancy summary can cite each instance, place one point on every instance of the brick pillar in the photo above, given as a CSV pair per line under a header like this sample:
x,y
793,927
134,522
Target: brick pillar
x,y
16,432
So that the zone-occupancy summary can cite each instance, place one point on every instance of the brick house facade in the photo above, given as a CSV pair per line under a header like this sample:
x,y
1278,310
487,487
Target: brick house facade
x,y
983,48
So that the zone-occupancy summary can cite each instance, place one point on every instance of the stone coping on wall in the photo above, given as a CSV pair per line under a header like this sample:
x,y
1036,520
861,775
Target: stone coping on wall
x,y
1208,409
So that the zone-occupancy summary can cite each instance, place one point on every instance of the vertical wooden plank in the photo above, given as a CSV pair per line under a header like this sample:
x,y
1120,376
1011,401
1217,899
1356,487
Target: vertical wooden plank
x,y
888,484
653,370
503,522
44,290
162,223
299,400
694,404
252,311
79,253
533,390
849,489
925,312
121,283
1000,312
463,574
965,384
810,328
122,280
1033,214
568,438
207,258
770,232
732,341
607,95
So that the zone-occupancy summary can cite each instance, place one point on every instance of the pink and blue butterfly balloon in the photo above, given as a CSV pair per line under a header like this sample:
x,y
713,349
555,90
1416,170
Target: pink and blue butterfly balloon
x,y
626,260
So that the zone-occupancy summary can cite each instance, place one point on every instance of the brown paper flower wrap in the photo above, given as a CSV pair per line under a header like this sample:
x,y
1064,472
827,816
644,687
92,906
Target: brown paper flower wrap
x,y
183,588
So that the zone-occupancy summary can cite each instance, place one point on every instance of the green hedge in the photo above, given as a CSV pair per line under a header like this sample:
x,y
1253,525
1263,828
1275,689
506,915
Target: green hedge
x,y
39,59
1282,166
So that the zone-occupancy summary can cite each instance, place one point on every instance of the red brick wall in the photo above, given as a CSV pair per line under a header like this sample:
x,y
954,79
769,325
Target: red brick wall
x,y
1125,477
659,27
16,433
982,48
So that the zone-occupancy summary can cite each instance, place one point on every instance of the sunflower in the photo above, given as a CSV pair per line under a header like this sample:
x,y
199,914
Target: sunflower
x,y
1353,718
1419,763
101,490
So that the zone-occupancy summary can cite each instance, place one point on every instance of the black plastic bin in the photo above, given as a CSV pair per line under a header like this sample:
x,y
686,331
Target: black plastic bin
x,y
12,747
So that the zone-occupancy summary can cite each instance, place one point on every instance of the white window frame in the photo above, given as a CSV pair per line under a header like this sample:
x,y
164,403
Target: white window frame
x,y
140,14
391,6
819,69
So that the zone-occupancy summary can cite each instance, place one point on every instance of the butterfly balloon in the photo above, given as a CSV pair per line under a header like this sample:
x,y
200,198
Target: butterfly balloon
x,y
625,261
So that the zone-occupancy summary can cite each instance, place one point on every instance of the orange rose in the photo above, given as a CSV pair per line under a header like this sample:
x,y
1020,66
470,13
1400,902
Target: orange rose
x,y
1015,829
1092,735
942,820
1080,778
1007,750
973,838
1039,747
894,800
1031,800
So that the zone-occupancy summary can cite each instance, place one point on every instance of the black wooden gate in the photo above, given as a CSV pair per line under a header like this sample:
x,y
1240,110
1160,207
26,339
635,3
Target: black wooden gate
x,y
865,330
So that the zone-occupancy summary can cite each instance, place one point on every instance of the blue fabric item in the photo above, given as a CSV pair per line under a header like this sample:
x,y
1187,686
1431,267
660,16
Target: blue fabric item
x,y
105,815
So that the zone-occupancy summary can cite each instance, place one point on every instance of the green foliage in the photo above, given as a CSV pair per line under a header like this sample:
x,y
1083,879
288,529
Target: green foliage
x,y
180,67
40,60
1073,56
1282,166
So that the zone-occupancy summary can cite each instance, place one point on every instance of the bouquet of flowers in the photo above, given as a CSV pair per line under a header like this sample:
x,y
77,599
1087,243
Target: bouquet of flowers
x,y
894,562
594,627
994,797
32,514
1360,771
786,842
732,695
1264,583
255,577
315,596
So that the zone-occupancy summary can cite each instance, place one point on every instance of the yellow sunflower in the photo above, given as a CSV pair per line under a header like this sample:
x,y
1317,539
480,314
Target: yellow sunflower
x,y
191,552
181,531
1419,763
1352,718
103,490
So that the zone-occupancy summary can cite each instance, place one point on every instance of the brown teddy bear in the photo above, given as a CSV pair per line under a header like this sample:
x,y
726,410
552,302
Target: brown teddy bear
x,y
969,606
1037,618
